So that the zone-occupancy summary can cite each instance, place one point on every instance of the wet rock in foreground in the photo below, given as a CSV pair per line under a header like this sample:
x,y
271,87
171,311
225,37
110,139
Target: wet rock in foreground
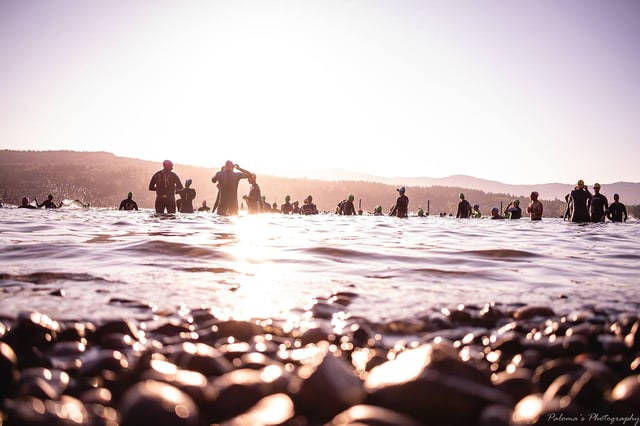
x,y
468,365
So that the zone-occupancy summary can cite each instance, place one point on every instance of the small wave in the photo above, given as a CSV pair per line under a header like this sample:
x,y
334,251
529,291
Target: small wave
x,y
169,248
48,277
211,270
501,253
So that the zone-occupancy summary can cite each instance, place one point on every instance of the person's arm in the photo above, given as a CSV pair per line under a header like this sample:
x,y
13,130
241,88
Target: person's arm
x,y
245,173
179,186
135,205
152,183
624,211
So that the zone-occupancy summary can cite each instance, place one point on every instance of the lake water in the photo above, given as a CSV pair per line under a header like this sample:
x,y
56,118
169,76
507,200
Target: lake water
x,y
89,264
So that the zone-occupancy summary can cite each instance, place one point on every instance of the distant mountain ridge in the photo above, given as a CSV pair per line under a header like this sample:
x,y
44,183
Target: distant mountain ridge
x,y
629,191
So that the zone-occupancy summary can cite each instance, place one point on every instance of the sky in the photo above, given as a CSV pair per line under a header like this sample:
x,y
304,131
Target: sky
x,y
522,92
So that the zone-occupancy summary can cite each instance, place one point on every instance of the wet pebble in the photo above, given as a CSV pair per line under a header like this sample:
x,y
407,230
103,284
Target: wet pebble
x,y
155,403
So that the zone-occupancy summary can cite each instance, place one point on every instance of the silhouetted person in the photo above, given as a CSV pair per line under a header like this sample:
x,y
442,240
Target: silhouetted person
x,y
228,187
579,203
266,206
617,210
377,211
308,207
274,208
475,213
420,212
296,207
205,207
187,195
26,204
254,198
287,207
464,208
165,182
535,207
48,203
346,207
401,208
599,205
128,203
514,212
495,213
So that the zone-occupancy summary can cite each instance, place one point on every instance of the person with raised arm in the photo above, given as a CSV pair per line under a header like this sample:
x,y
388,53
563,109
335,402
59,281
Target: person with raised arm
x,y
228,181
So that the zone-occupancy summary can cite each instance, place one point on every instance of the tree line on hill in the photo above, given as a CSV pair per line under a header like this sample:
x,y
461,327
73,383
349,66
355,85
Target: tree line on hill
x,y
103,180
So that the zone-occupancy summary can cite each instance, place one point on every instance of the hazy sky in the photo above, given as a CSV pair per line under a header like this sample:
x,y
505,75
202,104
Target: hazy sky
x,y
517,91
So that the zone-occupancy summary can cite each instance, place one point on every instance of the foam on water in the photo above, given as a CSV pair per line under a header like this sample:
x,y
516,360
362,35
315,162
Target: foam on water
x,y
108,263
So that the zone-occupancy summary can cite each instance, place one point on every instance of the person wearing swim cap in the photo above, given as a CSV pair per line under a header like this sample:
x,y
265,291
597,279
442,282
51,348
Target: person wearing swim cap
x,y
287,207
514,212
599,205
475,213
204,207
128,203
401,208
579,200
165,183
227,181
535,207
377,211
296,207
617,211
254,198
48,203
26,204
495,213
464,208
187,195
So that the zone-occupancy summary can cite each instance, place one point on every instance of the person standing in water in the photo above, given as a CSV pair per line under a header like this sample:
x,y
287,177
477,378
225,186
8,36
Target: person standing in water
x,y
254,199
535,207
514,212
617,210
308,208
165,183
401,208
128,203
579,203
228,187
464,208
48,203
26,204
346,207
205,207
599,205
187,195
287,207
475,213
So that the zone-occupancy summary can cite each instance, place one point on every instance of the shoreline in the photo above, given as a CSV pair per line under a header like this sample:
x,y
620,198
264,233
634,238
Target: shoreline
x,y
467,365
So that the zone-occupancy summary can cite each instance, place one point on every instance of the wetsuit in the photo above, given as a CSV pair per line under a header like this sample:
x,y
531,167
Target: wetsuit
x,y
308,209
286,208
616,212
578,200
165,183
254,199
204,209
401,209
516,212
128,204
599,207
48,204
348,208
29,206
187,196
228,191
464,209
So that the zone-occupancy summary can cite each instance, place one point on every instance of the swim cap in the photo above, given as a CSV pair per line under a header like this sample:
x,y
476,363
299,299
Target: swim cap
x,y
596,185
228,163
187,182
378,208
516,201
25,200
50,196
580,183
309,198
476,206
351,197
495,209
401,190
167,164
461,196
130,195
287,198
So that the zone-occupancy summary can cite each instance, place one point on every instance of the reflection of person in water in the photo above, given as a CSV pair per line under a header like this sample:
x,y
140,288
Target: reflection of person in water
x,y
128,203
165,182
187,195
228,190
48,203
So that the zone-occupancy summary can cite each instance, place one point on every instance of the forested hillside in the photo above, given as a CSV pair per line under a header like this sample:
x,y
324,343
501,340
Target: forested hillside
x,y
103,180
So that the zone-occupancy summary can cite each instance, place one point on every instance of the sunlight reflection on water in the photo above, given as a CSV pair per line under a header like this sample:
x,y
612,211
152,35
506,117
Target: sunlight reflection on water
x,y
273,265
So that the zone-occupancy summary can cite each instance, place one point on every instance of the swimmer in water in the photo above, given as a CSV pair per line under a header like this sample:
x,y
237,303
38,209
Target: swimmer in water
x,y
128,203
165,183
